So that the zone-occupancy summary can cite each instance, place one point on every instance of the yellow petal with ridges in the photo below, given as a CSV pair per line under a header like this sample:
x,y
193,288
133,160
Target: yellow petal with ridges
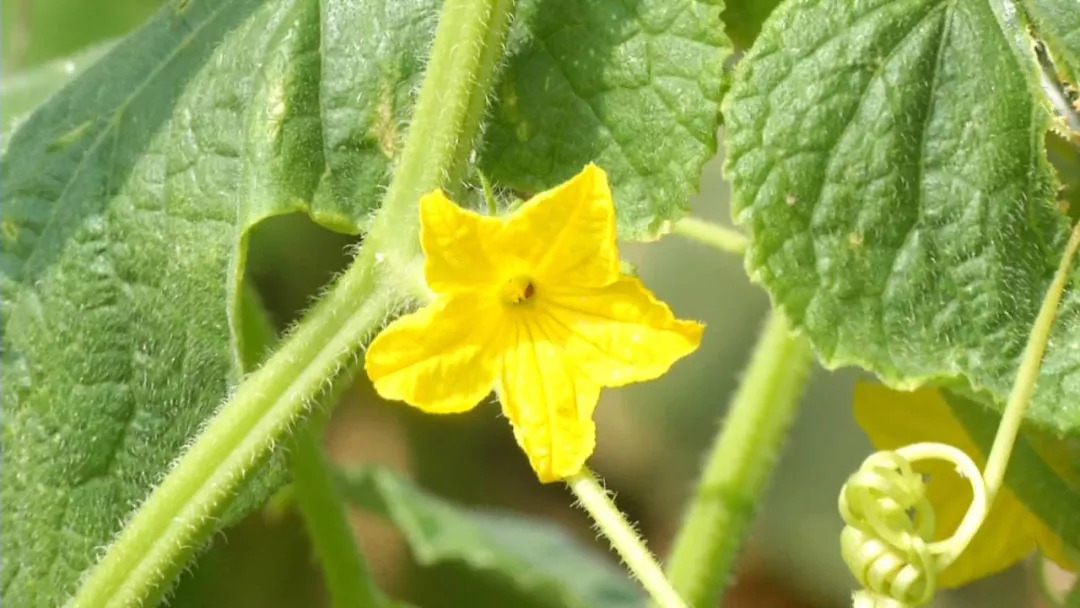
x,y
442,358
549,403
455,242
617,334
534,305
894,418
566,235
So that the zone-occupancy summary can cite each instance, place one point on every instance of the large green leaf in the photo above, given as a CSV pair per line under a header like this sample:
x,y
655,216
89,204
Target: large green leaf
x,y
1058,24
537,558
127,202
888,159
634,87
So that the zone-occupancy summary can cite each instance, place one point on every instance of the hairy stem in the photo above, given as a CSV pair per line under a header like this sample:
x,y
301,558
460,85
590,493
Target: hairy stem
x,y
626,542
325,348
739,465
346,573
467,50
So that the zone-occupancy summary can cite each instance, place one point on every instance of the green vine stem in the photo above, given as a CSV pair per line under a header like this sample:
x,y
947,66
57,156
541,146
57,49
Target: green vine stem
x,y
344,569
347,577
721,237
325,348
631,548
446,121
740,463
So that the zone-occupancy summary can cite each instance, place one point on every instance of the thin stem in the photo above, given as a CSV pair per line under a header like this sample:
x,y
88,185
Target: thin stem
x,y
740,464
346,573
325,349
721,237
1024,386
626,542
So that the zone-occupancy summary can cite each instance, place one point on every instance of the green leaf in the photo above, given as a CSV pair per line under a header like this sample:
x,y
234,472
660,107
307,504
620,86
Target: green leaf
x,y
128,199
22,92
1057,23
537,558
902,211
635,89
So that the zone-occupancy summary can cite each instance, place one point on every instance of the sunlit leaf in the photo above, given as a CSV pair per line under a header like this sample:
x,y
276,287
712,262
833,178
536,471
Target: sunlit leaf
x,y
903,213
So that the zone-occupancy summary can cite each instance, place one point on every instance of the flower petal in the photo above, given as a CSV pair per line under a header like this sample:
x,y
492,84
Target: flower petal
x,y
566,235
442,358
894,418
548,402
618,334
455,242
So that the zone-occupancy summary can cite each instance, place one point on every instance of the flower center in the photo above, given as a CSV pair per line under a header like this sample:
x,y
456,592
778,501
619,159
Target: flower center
x,y
518,290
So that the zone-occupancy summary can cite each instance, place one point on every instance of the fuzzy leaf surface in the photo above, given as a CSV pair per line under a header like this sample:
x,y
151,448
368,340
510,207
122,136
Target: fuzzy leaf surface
x,y
903,213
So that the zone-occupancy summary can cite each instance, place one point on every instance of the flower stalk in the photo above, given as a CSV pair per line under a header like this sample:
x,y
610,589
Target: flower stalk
x,y
624,540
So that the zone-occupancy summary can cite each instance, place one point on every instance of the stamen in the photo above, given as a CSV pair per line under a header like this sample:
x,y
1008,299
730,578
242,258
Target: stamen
x,y
518,290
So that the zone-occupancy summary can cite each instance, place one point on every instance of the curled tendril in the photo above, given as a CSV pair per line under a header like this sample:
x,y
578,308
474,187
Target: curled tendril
x,y
888,541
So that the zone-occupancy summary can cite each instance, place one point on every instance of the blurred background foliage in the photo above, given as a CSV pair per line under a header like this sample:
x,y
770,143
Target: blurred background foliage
x,y
651,436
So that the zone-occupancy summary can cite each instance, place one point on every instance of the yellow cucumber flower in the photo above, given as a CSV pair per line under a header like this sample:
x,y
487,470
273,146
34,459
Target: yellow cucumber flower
x,y
534,306
1010,531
